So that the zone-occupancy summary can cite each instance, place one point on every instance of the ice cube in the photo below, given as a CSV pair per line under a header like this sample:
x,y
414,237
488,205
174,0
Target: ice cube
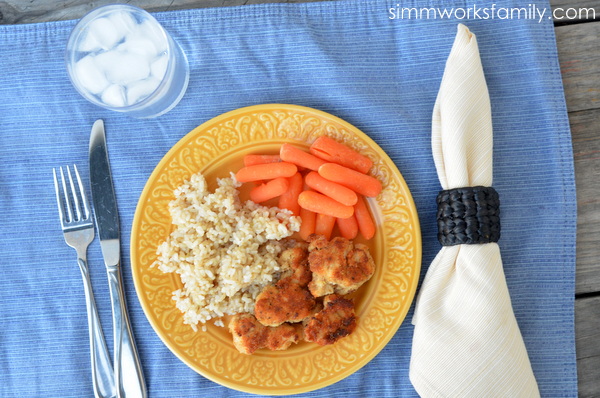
x,y
89,43
137,44
106,60
159,67
89,75
153,31
114,96
137,91
123,22
102,30
123,68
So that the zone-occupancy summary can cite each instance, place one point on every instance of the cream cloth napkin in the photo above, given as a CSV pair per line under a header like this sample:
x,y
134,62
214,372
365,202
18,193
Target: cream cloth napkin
x,y
466,342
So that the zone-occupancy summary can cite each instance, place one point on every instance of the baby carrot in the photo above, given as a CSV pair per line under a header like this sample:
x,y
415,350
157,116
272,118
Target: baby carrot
x,y
333,151
307,227
319,203
334,190
290,153
266,171
289,199
251,160
356,181
324,225
269,190
366,225
348,227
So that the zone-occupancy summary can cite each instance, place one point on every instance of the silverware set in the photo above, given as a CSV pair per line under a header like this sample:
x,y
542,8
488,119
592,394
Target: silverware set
x,y
127,379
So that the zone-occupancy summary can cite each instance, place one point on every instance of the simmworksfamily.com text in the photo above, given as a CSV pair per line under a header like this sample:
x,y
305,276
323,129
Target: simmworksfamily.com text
x,y
531,12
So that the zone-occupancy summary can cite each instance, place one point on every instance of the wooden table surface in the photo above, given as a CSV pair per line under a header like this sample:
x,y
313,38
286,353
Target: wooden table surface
x,y
578,42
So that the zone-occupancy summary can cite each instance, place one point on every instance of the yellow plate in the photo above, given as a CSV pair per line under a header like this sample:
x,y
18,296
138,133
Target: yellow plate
x,y
217,147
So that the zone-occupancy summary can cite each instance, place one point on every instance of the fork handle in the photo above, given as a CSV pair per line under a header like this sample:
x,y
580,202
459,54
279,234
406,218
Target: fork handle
x,y
102,370
128,370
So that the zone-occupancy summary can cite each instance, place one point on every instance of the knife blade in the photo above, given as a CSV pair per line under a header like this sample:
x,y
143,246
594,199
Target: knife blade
x,y
129,376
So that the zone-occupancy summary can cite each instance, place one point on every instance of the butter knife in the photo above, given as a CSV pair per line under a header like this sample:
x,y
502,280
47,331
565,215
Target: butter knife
x,y
129,377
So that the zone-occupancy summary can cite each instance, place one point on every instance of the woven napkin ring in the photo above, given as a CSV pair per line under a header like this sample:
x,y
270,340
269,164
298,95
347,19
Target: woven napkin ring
x,y
469,215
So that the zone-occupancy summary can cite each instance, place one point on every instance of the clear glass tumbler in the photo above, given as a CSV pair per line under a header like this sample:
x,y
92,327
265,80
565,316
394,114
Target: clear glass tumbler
x,y
119,57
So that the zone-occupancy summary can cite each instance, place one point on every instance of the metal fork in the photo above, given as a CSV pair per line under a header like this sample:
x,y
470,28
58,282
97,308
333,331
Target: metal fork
x,y
78,230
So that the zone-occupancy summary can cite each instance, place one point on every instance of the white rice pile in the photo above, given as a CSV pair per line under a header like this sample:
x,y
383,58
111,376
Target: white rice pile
x,y
224,251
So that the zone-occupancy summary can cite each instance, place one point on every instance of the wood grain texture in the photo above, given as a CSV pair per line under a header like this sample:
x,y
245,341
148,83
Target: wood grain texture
x,y
579,56
587,332
32,11
586,153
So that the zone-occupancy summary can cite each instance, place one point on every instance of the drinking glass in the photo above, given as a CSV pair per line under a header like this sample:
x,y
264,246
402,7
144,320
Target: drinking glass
x,y
120,58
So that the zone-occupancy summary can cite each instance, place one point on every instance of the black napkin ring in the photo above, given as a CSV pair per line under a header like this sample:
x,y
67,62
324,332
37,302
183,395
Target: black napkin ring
x,y
469,215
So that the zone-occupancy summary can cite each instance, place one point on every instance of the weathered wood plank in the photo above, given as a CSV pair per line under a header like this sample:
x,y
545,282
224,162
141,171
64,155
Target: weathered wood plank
x,y
586,154
32,11
587,332
579,56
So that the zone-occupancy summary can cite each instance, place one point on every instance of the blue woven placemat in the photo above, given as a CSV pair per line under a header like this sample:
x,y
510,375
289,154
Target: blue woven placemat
x,y
354,59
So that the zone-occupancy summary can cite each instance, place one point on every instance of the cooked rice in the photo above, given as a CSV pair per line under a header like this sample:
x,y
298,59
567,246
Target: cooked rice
x,y
224,251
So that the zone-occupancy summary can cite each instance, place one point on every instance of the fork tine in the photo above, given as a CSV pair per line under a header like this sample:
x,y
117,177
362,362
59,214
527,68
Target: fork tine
x,y
86,206
66,195
74,194
59,198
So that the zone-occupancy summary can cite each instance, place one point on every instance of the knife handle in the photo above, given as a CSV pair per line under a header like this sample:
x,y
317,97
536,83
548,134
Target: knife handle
x,y
129,376
102,370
